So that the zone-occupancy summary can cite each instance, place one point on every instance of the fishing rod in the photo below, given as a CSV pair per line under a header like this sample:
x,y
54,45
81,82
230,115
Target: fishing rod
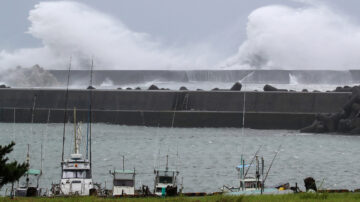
x,y
267,173
65,110
252,160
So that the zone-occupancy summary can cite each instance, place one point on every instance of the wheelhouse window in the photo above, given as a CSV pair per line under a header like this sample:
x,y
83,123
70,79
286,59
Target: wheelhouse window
x,y
165,179
76,174
124,183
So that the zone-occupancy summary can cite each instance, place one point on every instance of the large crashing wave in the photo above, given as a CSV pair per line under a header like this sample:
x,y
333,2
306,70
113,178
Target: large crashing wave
x,y
312,37
74,29
278,37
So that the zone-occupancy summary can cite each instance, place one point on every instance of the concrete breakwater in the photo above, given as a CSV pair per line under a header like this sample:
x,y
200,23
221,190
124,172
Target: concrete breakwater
x,y
120,77
263,110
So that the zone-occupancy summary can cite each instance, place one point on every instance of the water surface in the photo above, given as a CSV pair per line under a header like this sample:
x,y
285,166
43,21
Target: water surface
x,y
206,158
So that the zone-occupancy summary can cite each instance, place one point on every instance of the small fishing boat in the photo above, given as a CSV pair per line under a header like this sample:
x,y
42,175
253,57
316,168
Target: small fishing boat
x,y
123,182
253,185
165,183
29,187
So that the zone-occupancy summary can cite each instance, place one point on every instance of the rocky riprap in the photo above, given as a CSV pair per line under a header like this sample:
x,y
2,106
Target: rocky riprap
x,y
345,121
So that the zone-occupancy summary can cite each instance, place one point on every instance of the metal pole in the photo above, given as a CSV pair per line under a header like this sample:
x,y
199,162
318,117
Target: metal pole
x,y
75,141
90,113
28,163
65,111
243,174
262,174
167,162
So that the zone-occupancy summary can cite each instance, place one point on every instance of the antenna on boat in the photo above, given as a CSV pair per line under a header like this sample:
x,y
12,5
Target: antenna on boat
x,y
65,110
267,173
123,163
167,162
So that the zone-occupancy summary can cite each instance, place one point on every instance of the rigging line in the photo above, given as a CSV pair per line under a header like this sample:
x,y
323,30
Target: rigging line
x,y
65,110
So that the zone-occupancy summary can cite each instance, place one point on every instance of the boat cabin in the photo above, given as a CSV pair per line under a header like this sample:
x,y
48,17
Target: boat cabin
x,y
163,179
76,176
31,185
250,183
123,182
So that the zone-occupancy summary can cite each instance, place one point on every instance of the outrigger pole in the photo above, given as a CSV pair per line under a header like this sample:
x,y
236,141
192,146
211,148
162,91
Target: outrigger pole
x,y
65,112
252,161
267,173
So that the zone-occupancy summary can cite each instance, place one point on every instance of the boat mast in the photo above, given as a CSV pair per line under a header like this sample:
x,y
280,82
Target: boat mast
x,y
76,135
41,165
262,174
123,163
88,135
167,162
28,163
65,112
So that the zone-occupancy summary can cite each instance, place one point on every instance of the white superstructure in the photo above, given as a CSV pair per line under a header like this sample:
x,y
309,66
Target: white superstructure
x,y
123,182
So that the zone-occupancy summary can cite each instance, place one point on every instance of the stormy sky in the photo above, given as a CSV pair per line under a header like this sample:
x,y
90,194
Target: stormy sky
x,y
173,21
221,25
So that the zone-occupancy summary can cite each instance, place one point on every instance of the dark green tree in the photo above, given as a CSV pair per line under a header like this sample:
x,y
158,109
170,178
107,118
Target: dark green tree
x,y
10,172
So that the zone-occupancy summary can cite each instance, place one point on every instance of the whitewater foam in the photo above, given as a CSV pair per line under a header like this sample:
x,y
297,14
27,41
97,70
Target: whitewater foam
x,y
311,37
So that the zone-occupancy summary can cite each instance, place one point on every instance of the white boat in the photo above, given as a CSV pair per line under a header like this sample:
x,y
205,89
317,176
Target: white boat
x,y
76,175
76,172
165,182
123,182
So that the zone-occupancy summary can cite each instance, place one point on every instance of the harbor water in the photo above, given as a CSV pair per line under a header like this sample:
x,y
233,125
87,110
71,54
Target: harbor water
x,y
206,158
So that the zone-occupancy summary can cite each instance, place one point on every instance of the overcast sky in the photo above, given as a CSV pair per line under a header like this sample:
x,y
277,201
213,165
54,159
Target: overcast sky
x,y
173,22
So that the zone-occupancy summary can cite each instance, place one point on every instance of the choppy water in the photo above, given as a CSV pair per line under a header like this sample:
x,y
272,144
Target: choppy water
x,y
206,157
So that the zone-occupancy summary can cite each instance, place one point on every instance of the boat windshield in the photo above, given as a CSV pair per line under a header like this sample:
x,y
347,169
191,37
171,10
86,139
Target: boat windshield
x,y
251,184
76,174
165,179
124,183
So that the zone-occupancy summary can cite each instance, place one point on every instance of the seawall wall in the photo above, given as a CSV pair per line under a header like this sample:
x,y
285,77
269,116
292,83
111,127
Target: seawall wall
x,y
263,110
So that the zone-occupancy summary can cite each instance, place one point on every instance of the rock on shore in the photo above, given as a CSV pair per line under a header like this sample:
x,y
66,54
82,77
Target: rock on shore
x,y
345,121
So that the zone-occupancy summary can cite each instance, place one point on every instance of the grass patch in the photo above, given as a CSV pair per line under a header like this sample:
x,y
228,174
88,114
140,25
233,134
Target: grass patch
x,y
336,197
